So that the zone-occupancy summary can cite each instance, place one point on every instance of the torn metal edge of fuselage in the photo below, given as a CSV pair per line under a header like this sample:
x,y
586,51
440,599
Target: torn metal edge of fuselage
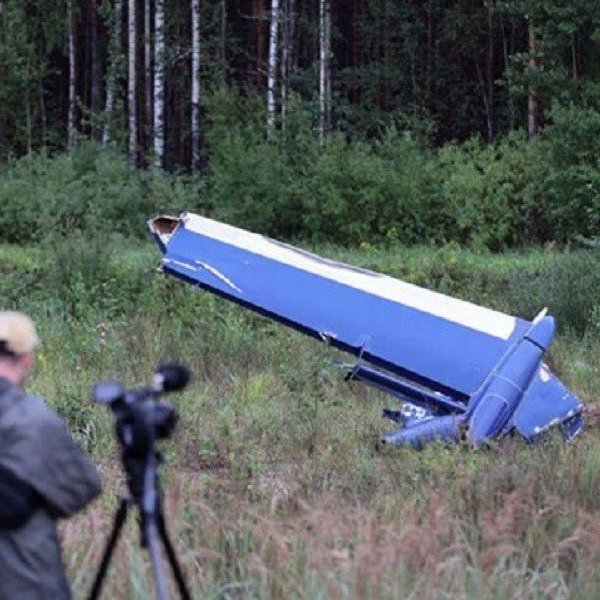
x,y
162,228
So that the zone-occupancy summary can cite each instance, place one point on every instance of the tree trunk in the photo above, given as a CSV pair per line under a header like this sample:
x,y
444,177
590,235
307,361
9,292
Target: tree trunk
x,y
490,74
287,35
111,83
532,102
28,120
574,58
259,13
159,84
429,63
196,85
272,69
223,43
132,85
95,84
43,115
328,76
147,71
506,52
486,101
72,79
324,67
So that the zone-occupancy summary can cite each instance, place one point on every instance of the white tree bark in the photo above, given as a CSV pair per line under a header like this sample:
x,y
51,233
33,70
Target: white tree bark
x,y
195,85
131,85
72,81
324,67
159,84
272,68
328,66
114,55
147,66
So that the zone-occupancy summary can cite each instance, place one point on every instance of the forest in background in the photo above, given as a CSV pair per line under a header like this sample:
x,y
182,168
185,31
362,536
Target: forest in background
x,y
353,122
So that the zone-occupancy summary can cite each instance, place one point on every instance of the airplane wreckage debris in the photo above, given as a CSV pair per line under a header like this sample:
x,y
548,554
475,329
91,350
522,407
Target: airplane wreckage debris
x,y
460,371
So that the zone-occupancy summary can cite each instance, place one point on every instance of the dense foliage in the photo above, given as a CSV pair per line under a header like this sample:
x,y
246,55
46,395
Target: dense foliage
x,y
453,69
467,122
513,193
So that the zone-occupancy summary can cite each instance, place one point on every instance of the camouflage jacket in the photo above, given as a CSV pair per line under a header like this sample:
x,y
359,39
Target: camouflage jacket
x,y
37,448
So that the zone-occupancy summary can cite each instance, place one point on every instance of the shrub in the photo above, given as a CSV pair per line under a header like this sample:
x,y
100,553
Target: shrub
x,y
573,183
354,193
490,193
42,194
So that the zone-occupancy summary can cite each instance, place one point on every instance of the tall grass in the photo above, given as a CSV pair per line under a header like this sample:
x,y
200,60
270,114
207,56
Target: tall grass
x,y
274,487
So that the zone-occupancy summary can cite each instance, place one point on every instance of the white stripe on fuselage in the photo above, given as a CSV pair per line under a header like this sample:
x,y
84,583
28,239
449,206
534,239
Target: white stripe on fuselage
x,y
461,312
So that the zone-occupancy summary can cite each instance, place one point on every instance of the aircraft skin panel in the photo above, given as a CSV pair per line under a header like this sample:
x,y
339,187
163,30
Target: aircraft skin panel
x,y
464,313
358,311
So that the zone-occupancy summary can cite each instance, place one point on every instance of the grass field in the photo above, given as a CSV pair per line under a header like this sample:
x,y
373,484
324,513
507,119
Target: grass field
x,y
274,488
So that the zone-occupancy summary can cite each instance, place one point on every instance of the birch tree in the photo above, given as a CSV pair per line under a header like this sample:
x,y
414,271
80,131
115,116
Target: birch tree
x,y
324,67
131,84
328,66
72,78
113,70
147,66
159,84
272,68
95,77
195,85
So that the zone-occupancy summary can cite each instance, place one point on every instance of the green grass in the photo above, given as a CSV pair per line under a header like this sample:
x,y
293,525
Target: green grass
x,y
274,488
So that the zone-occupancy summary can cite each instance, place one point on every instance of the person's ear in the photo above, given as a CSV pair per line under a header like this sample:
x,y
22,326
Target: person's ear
x,y
26,361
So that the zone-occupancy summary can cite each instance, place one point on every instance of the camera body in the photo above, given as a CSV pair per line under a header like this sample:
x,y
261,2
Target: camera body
x,y
141,417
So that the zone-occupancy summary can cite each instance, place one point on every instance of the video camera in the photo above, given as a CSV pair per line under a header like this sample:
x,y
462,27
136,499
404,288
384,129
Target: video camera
x,y
141,417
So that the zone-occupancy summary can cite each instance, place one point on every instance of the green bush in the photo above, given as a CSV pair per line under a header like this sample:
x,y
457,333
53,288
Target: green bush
x,y
573,184
42,195
360,192
250,181
491,193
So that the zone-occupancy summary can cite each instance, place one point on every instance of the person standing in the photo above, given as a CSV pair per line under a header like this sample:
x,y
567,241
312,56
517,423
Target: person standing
x,y
44,476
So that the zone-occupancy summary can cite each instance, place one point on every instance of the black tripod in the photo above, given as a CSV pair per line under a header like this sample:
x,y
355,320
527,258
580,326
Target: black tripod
x,y
142,480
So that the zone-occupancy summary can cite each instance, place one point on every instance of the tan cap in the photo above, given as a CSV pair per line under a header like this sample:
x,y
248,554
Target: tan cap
x,y
17,333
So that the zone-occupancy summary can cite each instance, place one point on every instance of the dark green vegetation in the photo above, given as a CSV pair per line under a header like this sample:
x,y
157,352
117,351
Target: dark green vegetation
x,y
274,485
448,69
514,193
375,134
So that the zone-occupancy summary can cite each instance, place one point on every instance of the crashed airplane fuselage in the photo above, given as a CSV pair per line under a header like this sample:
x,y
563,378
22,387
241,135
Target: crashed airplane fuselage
x,y
460,370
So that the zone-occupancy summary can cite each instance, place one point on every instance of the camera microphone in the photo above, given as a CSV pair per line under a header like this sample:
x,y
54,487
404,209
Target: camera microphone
x,y
171,378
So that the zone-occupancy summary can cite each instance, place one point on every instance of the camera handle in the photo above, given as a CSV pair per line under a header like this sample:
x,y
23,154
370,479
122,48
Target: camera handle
x,y
153,528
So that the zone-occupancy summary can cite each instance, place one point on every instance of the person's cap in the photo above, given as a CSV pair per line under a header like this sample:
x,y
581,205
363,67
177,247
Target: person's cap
x,y
17,333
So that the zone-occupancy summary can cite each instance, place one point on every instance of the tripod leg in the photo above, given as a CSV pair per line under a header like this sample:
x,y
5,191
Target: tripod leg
x,y
177,572
150,530
118,522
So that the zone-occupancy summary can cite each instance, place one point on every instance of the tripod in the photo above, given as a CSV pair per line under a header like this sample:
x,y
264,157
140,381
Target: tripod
x,y
142,480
